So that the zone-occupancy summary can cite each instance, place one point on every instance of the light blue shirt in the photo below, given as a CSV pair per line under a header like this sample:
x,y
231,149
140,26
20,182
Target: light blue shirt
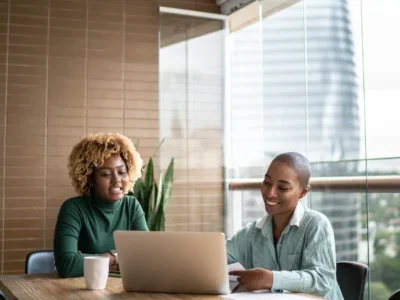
x,y
304,259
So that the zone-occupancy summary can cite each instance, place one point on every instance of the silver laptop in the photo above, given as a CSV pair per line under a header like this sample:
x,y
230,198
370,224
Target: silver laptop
x,y
172,262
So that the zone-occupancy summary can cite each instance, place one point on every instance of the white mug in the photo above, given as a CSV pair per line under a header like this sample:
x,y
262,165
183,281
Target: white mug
x,y
95,270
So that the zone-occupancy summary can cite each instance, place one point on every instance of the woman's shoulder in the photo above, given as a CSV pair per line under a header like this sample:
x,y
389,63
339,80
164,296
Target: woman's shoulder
x,y
251,228
316,218
75,206
315,215
77,201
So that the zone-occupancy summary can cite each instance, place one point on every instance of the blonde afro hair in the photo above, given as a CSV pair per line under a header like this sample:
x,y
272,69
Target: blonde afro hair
x,y
91,152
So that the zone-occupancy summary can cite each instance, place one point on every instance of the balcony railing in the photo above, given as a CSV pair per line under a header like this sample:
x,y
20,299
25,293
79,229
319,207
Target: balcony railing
x,y
351,184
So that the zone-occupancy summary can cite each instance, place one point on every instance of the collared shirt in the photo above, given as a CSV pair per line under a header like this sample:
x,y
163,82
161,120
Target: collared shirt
x,y
303,260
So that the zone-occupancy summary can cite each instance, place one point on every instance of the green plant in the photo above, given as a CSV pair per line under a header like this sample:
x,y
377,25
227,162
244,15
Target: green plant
x,y
152,197
379,291
386,269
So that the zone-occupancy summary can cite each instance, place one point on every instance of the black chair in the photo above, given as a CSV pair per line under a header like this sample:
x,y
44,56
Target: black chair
x,y
395,295
40,262
2,296
351,277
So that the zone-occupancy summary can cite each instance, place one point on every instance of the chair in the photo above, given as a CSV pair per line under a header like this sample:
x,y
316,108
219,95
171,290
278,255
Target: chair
x,y
395,295
41,261
2,296
351,277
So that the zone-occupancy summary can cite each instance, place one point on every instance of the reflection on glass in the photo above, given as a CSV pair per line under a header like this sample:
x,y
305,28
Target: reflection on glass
x,y
191,79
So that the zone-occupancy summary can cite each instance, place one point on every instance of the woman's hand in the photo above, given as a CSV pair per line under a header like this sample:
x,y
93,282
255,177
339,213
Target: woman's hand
x,y
110,257
111,262
254,279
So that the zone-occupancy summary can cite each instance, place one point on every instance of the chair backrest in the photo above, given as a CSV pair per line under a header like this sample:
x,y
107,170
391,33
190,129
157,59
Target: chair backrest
x,y
351,277
41,261
395,295
2,296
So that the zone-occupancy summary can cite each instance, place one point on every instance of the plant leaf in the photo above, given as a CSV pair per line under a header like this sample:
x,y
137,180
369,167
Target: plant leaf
x,y
155,193
164,193
159,192
148,189
141,196
160,221
137,187
151,197
137,191
149,177
157,205
167,184
151,223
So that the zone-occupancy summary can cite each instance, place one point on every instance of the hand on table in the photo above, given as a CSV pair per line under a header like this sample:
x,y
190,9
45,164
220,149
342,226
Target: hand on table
x,y
112,264
254,279
111,258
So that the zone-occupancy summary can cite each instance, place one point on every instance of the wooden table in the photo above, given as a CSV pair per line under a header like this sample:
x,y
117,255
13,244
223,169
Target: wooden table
x,y
50,286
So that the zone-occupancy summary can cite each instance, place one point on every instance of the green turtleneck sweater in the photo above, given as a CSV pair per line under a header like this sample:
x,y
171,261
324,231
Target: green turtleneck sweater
x,y
85,227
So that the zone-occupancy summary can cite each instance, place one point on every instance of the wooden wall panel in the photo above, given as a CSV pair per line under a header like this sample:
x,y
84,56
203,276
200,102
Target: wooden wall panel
x,y
25,141
68,68
3,100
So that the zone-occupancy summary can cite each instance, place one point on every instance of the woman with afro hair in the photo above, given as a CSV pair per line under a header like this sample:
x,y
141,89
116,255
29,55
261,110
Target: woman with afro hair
x,y
102,168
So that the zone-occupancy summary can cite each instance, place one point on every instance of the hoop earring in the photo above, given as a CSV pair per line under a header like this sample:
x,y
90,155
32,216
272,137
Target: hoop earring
x,y
88,192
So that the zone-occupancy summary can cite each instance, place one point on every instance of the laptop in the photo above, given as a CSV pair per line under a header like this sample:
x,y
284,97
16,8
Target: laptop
x,y
173,262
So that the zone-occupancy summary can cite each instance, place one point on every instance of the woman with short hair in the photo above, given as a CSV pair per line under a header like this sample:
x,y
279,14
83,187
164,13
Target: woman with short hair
x,y
292,248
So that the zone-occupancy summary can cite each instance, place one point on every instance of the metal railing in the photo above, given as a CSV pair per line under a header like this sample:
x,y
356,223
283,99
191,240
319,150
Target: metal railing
x,y
351,184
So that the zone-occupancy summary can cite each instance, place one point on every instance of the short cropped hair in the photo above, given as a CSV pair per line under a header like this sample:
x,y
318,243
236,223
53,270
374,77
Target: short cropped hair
x,y
298,163
91,152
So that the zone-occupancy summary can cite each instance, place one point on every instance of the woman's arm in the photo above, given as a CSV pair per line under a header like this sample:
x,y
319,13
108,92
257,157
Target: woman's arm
x,y
69,261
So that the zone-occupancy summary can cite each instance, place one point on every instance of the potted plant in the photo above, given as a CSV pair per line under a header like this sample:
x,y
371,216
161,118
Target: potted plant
x,y
152,197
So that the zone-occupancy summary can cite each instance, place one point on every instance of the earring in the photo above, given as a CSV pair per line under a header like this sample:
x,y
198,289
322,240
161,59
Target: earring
x,y
88,191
